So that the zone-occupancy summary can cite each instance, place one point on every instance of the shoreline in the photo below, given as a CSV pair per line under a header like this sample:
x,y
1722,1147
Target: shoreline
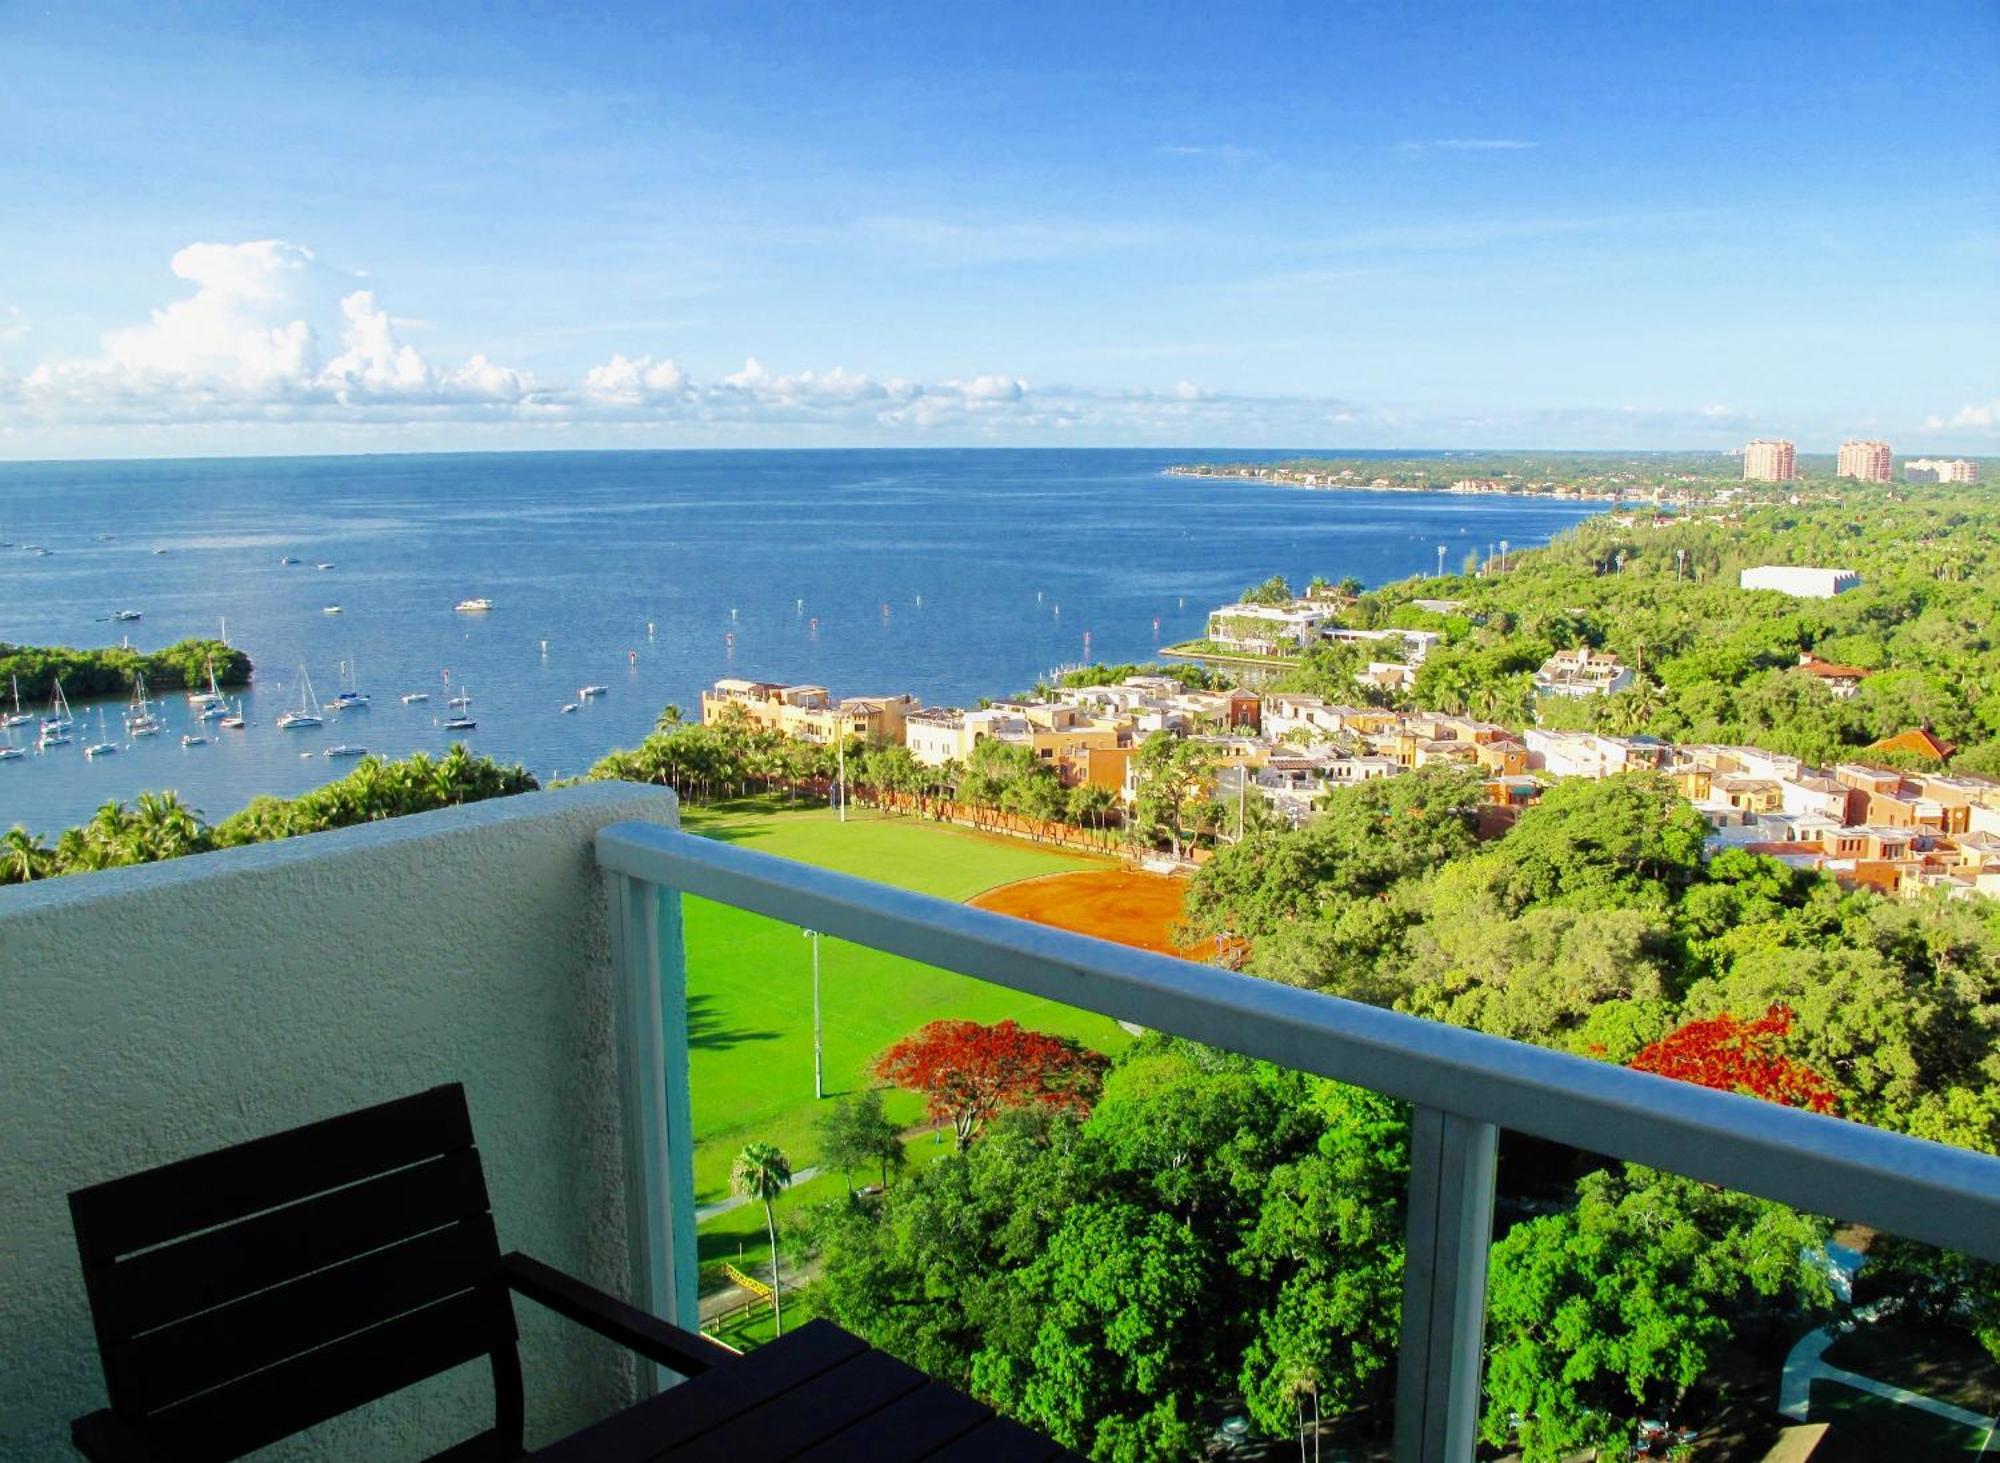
x,y
1282,477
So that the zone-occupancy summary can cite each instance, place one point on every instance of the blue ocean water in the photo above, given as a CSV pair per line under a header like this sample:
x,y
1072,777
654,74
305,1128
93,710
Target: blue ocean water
x,y
949,574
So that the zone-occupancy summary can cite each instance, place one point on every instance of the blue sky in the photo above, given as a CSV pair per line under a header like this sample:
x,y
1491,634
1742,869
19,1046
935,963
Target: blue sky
x,y
427,226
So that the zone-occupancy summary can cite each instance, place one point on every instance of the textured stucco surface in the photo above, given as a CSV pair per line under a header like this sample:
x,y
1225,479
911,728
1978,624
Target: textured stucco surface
x,y
150,1013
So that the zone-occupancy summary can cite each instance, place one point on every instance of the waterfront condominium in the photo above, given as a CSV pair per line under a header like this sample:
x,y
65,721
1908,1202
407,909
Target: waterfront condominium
x,y
1872,462
1770,462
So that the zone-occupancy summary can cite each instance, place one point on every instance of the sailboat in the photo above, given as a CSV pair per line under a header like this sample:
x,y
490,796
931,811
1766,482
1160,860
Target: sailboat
x,y
234,721
17,717
350,697
206,701
307,714
58,724
141,722
100,747
462,721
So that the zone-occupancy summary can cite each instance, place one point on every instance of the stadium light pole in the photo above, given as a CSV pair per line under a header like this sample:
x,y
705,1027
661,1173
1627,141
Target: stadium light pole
x,y
818,1085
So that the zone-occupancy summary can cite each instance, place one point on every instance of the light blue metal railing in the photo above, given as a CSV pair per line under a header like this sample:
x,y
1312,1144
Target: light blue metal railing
x,y
1464,1086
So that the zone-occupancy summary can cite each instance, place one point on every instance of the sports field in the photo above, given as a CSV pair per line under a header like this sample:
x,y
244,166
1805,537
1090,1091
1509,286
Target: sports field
x,y
750,978
1125,905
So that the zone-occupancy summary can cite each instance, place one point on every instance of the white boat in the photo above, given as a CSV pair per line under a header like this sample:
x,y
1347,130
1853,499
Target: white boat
x,y
100,748
588,693
59,718
323,566
411,698
473,606
568,708
203,701
141,722
330,610
11,754
350,697
235,721
17,717
51,739
461,699
305,716
194,739
289,559
345,749
127,615
463,721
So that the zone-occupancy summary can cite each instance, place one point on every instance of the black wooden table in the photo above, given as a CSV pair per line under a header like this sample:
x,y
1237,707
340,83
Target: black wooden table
x,y
817,1393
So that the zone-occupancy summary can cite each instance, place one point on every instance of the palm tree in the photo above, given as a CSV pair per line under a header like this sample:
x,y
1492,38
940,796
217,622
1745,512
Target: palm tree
x,y
23,857
761,1172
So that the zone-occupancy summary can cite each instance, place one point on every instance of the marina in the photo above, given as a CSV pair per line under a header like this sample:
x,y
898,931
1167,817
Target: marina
x,y
610,580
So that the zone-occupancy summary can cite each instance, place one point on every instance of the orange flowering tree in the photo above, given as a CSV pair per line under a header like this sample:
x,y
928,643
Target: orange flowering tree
x,y
969,1072
1735,1055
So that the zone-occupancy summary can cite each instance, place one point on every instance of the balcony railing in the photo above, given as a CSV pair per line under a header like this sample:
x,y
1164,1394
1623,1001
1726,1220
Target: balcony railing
x,y
1464,1087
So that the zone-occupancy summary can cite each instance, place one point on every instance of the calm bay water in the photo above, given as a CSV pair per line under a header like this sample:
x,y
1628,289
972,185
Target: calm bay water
x,y
950,574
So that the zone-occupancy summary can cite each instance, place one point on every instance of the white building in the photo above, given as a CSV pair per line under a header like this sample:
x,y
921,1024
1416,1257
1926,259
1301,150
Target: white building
x,y
1575,754
1266,629
1582,672
1799,580
1940,470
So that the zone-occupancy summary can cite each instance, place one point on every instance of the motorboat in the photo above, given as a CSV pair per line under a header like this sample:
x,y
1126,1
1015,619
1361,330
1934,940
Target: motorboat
x,y
323,566
127,615
411,698
345,749
305,716
473,606
569,708
194,739
330,610
11,754
459,700
289,559
589,693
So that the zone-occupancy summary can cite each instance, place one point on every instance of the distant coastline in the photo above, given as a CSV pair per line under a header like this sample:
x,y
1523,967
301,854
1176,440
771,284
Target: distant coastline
x,y
1346,480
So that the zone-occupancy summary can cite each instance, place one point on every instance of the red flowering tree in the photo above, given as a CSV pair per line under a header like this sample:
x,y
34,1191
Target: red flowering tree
x,y
1734,1055
968,1072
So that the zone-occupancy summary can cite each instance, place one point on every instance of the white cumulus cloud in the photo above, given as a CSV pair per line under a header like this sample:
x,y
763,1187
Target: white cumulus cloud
x,y
1979,416
268,328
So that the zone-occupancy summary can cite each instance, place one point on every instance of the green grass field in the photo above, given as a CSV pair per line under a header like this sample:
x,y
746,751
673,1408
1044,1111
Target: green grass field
x,y
750,980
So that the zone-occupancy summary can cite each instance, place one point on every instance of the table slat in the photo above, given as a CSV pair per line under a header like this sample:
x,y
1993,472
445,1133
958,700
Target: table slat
x,y
911,1427
1002,1440
673,1417
808,1414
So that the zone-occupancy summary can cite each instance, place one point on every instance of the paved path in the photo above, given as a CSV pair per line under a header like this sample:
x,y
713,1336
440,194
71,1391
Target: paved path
x,y
1806,1364
736,1201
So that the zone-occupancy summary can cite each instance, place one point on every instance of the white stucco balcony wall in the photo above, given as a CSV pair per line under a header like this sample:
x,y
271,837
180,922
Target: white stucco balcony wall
x,y
156,1012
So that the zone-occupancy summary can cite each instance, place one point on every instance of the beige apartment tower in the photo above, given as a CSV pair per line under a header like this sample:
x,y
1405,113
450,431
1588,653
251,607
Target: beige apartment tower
x,y
1871,462
1770,462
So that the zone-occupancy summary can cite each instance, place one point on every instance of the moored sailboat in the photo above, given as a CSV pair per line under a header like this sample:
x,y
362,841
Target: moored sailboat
x,y
307,714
